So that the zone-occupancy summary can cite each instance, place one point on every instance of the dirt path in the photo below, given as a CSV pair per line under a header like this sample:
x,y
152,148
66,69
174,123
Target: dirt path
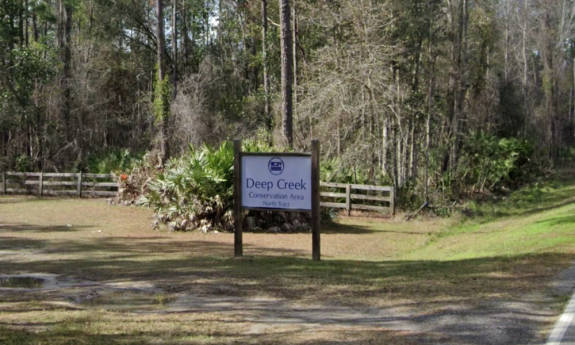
x,y
482,323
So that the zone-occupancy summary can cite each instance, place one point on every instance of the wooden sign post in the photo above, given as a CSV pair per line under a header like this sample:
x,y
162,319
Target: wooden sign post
x,y
238,210
268,181
315,203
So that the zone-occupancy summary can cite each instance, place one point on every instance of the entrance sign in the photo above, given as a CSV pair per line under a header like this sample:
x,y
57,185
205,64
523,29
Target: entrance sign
x,y
276,182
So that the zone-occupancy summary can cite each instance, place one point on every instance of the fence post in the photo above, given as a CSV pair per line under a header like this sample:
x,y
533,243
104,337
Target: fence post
x,y
348,199
4,182
41,184
392,200
79,190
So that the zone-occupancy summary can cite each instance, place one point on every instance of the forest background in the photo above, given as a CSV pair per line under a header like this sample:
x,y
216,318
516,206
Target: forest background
x,y
439,98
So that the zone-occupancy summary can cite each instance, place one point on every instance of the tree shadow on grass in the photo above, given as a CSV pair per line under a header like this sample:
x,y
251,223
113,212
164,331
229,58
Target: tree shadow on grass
x,y
173,259
17,199
559,220
532,201
337,228
41,228
15,244
221,336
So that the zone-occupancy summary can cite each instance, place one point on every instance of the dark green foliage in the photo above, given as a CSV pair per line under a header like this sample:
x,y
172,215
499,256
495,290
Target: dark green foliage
x,y
162,94
511,119
23,163
19,106
122,161
489,161
195,191
334,170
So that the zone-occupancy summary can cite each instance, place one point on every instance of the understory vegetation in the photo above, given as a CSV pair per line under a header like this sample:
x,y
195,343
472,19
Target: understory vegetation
x,y
196,190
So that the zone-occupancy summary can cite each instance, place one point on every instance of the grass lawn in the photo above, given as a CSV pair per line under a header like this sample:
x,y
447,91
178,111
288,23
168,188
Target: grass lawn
x,y
512,250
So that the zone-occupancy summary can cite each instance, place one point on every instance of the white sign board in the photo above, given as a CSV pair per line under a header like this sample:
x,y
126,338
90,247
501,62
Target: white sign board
x,y
276,182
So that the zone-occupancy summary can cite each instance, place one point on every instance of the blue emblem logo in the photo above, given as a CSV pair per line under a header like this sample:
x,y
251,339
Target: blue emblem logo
x,y
276,166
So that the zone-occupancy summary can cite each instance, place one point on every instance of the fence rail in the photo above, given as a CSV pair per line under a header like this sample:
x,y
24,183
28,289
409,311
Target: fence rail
x,y
58,184
103,185
370,194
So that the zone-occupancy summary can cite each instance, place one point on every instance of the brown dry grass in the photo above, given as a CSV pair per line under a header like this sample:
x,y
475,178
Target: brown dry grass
x,y
364,264
92,240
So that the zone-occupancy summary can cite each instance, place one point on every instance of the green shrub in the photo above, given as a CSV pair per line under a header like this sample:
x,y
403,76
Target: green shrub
x,y
162,94
133,184
195,191
24,163
488,162
334,170
116,161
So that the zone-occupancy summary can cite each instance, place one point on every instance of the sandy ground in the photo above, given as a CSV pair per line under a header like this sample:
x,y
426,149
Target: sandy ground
x,y
524,319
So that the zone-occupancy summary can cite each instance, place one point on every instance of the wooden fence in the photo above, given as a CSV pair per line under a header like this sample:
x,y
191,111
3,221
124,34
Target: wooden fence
x,y
103,185
58,184
370,194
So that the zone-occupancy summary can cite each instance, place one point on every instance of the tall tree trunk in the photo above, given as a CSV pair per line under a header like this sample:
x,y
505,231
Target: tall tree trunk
x,y
507,20
294,52
59,27
175,47
527,115
412,152
26,25
287,73
460,85
463,80
21,22
549,86
68,61
267,110
91,20
338,134
452,82
393,155
184,10
572,96
64,31
255,69
384,148
430,96
161,39
398,154
161,44
35,26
